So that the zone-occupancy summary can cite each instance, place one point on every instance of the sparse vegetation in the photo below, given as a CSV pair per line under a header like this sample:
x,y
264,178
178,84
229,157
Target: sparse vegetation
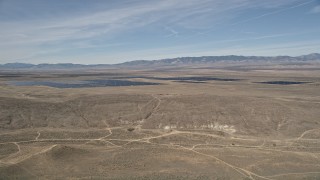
x,y
213,130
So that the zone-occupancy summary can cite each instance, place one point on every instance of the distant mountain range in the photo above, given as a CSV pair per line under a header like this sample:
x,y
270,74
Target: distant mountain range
x,y
49,66
170,62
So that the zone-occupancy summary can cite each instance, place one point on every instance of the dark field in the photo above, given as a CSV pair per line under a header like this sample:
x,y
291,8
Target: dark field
x,y
82,84
283,82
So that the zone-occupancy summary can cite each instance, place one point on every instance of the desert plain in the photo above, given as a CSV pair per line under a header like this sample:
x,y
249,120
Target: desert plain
x,y
175,123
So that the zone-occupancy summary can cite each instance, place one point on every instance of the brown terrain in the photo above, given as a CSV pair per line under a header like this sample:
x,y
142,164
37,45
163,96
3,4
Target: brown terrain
x,y
197,123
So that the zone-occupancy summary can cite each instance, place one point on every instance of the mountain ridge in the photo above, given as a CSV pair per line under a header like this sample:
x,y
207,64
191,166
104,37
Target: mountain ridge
x,y
168,61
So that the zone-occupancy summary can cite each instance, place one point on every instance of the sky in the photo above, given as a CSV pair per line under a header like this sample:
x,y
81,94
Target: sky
x,y
115,31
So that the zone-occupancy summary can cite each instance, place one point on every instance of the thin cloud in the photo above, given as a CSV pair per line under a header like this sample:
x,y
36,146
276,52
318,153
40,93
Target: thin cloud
x,y
114,21
315,10
171,31
261,16
273,12
50,30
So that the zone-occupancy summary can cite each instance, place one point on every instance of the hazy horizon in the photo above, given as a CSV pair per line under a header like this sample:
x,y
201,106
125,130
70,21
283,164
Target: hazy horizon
x,y
110,32
151,59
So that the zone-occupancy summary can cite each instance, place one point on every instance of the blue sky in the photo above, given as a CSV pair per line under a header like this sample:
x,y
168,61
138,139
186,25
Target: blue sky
x,y
113,31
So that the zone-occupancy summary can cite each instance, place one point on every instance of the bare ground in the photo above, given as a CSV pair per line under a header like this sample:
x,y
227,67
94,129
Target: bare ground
x,y
211,130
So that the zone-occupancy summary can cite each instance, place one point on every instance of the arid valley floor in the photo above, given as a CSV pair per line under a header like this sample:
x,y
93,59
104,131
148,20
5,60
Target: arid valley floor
x,y
189,123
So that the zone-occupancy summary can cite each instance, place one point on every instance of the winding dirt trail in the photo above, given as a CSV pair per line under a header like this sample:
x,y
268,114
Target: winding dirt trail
x,y
306,132
241,171
38,135
18,146
154,109
302,135
14,159
18,159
